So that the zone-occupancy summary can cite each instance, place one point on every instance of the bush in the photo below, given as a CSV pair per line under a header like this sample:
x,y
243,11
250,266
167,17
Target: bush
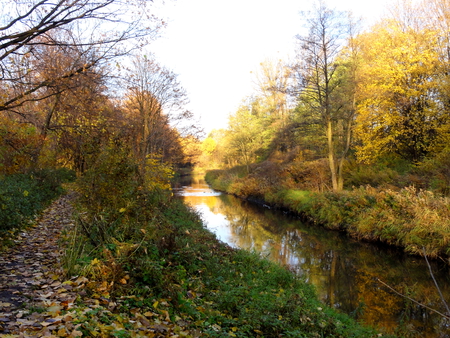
x,y
436,171
375,175
23,196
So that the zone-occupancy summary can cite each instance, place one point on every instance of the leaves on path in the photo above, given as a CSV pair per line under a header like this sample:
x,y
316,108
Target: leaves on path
x,y
36,301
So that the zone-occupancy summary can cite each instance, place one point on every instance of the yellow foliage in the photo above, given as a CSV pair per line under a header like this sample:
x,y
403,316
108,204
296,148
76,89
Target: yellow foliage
x,y
19,146
158,174
396,110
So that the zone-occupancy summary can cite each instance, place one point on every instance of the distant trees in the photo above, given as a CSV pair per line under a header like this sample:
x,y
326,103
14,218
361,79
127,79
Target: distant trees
x,y
246,136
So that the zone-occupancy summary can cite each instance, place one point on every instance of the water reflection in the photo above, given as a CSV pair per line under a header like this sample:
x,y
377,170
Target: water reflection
x,y
345,272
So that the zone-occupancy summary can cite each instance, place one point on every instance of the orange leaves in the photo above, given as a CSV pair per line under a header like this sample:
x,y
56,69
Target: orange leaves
x,y
18,146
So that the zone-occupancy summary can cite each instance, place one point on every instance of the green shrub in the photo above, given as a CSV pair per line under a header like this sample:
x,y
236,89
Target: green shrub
x,y
23,196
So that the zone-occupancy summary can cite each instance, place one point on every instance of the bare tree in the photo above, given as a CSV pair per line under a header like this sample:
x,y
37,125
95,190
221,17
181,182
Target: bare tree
x,y
103,29
155,97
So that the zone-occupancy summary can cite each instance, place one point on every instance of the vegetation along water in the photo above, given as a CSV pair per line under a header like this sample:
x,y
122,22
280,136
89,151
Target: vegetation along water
x,y
345,272
351,134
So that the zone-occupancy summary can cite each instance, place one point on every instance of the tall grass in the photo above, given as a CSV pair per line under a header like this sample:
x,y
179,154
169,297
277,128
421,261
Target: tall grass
x,y
409,218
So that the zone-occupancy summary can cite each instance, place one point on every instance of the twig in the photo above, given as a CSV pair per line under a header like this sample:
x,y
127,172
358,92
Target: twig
x,y
435,283
413,300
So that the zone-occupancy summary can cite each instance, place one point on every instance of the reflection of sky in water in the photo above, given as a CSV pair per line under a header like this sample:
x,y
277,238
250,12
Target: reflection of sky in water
x,y
343,271
216,223
191,191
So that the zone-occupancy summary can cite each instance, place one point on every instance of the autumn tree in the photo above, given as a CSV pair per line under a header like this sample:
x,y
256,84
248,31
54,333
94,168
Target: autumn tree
x,y
437,16
105,29
317,71
399,110
156,102
249,133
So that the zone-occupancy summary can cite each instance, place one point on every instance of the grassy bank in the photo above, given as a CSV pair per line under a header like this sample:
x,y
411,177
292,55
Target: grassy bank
x,y
417,221
24,196
149,255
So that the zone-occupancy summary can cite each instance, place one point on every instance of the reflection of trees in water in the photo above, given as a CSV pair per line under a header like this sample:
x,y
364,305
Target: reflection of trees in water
x,y
344,271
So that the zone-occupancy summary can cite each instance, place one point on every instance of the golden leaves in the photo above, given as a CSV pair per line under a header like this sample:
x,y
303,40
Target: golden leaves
x,y
397,75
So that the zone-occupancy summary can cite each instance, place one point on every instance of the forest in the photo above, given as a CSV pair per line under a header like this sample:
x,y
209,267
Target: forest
x,y
352,135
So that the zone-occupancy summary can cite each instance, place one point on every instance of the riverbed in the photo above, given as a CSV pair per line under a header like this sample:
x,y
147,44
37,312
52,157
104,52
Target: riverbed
x,y
348,275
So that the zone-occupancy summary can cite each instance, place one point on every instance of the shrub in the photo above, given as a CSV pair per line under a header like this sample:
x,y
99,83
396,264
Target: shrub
x,y
375,175
23,196
436,170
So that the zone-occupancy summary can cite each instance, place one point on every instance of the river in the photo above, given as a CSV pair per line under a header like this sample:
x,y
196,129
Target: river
x,y
345,272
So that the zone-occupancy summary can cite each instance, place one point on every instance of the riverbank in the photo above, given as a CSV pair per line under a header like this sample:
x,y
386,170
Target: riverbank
x,y
417,221
123,257
192,285
189,286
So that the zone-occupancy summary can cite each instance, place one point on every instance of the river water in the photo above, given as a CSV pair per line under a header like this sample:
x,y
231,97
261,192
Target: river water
x,y
346,273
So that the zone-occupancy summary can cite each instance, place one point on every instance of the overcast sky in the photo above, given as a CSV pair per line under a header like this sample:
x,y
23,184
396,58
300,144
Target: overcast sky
x,y
214,45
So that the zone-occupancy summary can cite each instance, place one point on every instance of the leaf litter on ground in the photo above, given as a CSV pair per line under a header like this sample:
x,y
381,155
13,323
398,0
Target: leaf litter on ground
x,y
37,301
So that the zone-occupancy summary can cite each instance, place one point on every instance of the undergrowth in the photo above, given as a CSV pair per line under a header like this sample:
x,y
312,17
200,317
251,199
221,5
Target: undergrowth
x,y
138,243
23,196
416,220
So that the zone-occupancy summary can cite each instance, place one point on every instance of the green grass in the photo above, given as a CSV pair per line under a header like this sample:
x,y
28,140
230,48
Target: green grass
x,y
23,196
178,270
222,291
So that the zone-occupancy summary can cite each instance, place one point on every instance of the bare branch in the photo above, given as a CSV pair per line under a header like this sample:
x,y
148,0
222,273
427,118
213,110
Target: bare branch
x,y
413,300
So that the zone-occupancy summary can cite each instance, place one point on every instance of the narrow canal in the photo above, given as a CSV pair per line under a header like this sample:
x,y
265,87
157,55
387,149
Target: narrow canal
x,y
345,272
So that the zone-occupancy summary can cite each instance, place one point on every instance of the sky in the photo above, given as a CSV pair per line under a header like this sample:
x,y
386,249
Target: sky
x,y
215,45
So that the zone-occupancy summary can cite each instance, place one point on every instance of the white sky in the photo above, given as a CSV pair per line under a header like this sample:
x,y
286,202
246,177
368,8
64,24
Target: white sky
x,y
213,45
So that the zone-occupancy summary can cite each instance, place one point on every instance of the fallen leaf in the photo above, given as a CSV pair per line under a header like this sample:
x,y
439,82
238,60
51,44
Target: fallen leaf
x,y
76,333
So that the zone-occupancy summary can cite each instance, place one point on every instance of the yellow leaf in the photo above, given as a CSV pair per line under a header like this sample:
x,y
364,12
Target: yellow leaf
x,y
167,317
155,304
95,261
25,193
234,329
62,332
122,210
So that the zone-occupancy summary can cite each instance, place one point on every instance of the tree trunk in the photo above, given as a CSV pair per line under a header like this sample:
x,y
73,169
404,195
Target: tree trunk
x,y
331,155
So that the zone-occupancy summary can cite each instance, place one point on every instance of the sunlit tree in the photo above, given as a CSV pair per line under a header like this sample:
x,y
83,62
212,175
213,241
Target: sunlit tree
x,y
399,109
248,135
317,72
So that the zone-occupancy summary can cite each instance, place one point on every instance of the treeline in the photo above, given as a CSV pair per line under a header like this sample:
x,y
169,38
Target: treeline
x,y
356,107
76,78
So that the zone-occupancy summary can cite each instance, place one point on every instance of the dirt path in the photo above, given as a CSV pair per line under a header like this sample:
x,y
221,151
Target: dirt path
x,y
37,301
31,289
